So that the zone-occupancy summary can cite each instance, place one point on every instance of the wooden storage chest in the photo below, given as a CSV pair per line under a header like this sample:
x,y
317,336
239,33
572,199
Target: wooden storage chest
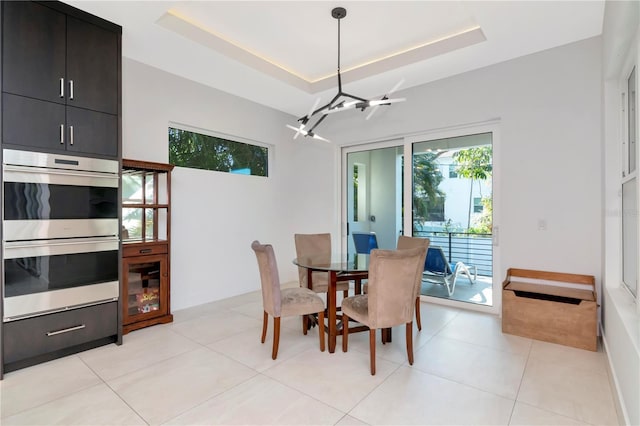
x,y
532,306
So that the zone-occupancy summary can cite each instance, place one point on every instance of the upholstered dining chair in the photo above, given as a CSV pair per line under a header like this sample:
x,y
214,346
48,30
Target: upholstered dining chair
x,y
390,300
319,246
283,302
404,243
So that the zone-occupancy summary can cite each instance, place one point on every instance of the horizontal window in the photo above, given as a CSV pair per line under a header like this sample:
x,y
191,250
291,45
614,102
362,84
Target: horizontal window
x,y
199,151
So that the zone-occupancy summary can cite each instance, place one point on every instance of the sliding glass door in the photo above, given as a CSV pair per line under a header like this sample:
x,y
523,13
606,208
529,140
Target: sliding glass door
x,y
373,183
437,186
452,205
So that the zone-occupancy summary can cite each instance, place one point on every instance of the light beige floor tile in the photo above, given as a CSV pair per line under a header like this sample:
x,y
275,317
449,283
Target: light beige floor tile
x,y
168,388
30,387
525,414
97,405
484,330
327,377
481,367
350,421
573,392
411,397
188,314
578,358
252,309
260,401
435,317
394,351
140,349
245,347
216,326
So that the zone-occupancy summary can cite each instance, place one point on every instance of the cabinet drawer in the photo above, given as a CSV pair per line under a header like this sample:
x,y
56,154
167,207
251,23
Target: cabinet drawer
x,y
143,250
47,333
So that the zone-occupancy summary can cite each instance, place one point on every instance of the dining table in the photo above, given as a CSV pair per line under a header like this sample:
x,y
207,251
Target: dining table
x,y
340,267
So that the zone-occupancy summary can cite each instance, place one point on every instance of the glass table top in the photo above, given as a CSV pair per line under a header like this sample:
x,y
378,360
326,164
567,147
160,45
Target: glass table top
x,y
338,262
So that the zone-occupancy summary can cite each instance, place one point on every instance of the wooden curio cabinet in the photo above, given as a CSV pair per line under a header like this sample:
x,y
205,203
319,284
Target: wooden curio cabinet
x,y
146,229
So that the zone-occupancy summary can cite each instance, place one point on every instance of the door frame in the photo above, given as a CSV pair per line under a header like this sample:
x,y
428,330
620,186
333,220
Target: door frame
x,y
490,126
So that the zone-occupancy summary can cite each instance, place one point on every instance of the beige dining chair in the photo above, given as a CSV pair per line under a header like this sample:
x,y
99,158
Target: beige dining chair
x,y
390,300
318,246
286,302
404,243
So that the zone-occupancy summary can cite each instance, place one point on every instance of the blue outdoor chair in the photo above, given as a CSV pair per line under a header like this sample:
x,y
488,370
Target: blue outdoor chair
x,y
437,269
365,242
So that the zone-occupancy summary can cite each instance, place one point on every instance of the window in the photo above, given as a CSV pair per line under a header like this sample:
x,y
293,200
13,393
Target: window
x,y
199,151
632,130
452,171
630,186
477,205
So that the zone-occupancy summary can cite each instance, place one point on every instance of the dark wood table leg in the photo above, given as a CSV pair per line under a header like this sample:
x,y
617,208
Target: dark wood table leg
x,y
331,311
386,335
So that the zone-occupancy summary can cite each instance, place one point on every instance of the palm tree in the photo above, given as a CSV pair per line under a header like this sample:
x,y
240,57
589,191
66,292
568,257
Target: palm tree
x,y
426,178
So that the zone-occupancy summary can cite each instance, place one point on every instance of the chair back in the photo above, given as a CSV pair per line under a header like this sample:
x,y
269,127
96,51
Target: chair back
x,y
436,262
405,242
269,278
365,242
316,245
391,288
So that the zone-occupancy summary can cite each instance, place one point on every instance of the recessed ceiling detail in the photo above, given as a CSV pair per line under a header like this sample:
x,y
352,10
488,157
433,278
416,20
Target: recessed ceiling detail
x,y
189,28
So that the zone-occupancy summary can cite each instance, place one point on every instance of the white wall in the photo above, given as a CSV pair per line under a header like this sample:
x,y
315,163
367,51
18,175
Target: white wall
x,y
215,216
549,107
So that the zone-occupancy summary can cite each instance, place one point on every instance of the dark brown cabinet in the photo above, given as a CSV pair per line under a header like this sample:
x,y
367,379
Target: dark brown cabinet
x,y
63,73
146,221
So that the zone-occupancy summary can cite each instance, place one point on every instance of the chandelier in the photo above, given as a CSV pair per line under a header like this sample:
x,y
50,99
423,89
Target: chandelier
x,y
341,101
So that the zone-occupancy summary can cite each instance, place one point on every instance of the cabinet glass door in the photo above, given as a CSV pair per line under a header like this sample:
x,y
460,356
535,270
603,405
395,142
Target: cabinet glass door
x,y
146,281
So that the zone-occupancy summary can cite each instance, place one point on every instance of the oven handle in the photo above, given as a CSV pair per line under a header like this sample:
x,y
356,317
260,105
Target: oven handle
x,y
65,330
8,168
18,249
51,243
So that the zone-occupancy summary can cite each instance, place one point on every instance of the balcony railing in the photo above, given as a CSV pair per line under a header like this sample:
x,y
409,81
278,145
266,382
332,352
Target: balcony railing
x,y
471,249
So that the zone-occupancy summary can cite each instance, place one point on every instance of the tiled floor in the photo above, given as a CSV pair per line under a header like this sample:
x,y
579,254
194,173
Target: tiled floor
x,y
208,367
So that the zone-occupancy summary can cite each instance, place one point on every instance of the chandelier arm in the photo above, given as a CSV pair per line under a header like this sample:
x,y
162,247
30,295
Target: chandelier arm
x,y
310,131
357,98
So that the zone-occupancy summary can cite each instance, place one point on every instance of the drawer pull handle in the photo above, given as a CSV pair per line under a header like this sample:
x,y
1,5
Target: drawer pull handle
x,y
143,251
65,330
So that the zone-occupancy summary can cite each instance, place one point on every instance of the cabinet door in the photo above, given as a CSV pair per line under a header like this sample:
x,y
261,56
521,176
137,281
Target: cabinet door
x,y
33,49
93,132
92,66
32,123
145,287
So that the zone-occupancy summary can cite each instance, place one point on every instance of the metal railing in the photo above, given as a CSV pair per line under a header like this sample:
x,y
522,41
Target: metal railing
x,y
471,249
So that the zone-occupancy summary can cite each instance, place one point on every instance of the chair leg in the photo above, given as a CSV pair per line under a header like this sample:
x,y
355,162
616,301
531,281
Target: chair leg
x,y
321,329
418,319
276,337
265,320
305,324
410,342
345,332
372,350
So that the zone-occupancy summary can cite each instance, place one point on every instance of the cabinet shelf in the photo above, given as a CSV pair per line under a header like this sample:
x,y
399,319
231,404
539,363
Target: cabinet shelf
x,y
146,231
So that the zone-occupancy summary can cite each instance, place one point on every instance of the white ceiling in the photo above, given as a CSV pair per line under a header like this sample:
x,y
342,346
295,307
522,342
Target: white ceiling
x,y
283,54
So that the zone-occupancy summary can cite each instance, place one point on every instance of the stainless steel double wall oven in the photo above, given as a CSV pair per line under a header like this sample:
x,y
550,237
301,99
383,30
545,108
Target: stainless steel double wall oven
x,y
60,232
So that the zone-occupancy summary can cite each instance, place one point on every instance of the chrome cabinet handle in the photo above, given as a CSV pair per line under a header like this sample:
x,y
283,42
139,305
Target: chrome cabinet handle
x,y
62,87
62,134
65,330
71,135
70,89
